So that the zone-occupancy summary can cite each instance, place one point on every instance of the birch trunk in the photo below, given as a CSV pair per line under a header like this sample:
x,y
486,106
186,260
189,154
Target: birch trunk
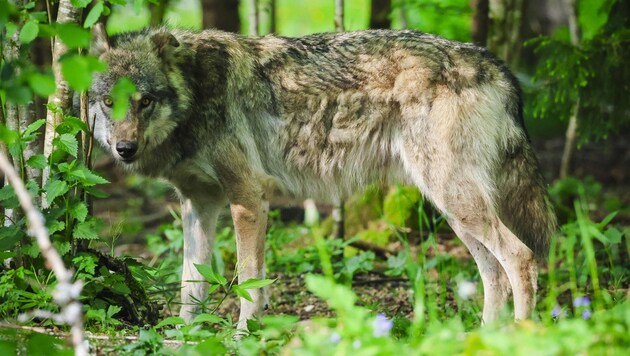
x,y
339,16
253,18
571,133
339,212
62,98
11,52
504,29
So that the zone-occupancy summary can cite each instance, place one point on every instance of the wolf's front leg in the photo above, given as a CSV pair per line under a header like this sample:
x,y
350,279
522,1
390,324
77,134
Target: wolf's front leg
x,y
199,230
249,212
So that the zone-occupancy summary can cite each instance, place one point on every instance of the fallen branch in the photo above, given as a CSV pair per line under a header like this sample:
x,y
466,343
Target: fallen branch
x,y
66,294
379,251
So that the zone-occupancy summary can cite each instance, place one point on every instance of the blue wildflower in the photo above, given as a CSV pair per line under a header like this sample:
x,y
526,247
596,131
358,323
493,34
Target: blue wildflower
x,y
335,338
555,312
581,302
586,314
356,344
382,325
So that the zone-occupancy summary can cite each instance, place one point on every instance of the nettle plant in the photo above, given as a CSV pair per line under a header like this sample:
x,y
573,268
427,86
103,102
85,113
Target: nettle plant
x,y
65,194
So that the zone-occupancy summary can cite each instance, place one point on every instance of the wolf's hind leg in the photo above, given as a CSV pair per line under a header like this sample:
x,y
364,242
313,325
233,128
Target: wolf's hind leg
x,y
199,230
496,285
516,259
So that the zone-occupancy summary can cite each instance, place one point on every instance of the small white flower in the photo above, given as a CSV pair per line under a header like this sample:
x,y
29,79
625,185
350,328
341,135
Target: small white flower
x,y
335,338
382,326
356,344
466,289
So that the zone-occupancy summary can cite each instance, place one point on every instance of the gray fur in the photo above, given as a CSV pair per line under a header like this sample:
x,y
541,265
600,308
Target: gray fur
x,y
235,119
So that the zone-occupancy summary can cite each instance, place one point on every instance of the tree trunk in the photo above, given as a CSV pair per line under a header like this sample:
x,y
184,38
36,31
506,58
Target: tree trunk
x,y
379,17
157,12
338,212
268,16
253,18
480,21
504,29
10,53
339,16
221,15
571,134
62,98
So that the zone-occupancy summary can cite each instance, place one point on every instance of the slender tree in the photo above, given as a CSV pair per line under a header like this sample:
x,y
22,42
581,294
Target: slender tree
x,y
221,14
338,212
504,29
158,11
62,98
339,16
379,16
253,17
571,133
480,21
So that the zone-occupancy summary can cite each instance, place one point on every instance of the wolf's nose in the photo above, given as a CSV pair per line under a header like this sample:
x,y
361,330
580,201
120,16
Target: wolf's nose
x,y
126,149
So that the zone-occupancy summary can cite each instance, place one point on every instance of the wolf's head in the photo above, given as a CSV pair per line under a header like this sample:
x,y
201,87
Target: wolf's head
x,y
148,61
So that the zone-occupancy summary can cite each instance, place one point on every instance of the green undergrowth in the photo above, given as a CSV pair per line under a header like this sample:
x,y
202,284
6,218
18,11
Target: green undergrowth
x,y
582,300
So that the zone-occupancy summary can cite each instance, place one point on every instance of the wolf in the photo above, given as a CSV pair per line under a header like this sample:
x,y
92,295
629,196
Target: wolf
x,y
232,120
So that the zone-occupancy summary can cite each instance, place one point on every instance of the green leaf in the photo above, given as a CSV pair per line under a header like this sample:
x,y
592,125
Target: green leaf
x,y
78,70
10,236
7,192
120,288
71,125
253,325
79,211
29,32
63,247
94,14
33,127
67,143
170,321
243,293
339,297
37,161
86,177
211,346
7,135
80,3
86,230
254,283
207,318
113,310
122,90
55,188
210,275
613,235
56,226
73,35
42,84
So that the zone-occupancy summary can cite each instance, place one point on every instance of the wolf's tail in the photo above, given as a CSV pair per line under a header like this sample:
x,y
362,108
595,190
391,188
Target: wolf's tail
x,y
524,204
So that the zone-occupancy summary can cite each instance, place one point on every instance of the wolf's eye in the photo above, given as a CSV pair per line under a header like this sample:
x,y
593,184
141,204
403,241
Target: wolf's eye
x,y
145,102
108,101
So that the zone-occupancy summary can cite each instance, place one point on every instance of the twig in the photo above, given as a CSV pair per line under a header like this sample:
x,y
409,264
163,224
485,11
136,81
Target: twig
x,y
379,251
66,293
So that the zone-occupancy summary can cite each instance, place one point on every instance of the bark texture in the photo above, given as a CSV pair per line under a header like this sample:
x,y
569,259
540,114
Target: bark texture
x,y
62,98
221,15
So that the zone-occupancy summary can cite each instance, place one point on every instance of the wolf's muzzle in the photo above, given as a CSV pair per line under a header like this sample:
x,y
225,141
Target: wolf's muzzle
x,y
126,149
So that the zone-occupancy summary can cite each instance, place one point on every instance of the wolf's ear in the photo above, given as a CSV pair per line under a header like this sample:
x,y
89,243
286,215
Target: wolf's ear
x,y
165,43
100,41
